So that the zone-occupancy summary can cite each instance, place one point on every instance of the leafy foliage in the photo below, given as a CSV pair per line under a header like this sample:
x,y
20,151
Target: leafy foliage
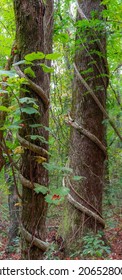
x,y
60,100
94,245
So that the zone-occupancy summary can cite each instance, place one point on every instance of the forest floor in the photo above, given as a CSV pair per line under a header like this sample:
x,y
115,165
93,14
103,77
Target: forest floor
x,y
113,236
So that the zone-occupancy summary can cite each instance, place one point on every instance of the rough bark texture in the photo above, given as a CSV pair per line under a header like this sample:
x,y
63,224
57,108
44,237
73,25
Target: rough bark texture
x,y
85,157
34,33
14,217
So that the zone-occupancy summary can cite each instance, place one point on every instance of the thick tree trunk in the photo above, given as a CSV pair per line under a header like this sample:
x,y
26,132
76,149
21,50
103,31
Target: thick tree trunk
x,y
87,155
34,34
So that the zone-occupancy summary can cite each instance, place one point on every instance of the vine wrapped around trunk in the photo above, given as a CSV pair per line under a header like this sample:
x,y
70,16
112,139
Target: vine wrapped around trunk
x,y
34,21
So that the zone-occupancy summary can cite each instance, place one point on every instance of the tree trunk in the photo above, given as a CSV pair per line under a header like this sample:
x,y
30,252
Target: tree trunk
x,y
34,34
87,153
14,217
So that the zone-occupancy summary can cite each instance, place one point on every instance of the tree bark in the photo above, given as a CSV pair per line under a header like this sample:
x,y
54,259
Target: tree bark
x,y
87,155
34,21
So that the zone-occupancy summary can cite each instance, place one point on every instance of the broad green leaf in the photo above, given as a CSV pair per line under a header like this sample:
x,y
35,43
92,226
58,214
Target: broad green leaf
x,y
27,100
40,189
49,199
53,56
47,69
60,191
4,109
34,56
35,125
29,110
16,126
30,72
41,138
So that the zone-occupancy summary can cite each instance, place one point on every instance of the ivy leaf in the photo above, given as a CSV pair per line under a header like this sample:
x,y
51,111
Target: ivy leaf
x,y
53,56
40,189
47,69
34,56
30,72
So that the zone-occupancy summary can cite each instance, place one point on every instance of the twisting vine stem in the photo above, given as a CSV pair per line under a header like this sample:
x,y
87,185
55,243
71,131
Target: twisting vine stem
x,y
30,237
97,102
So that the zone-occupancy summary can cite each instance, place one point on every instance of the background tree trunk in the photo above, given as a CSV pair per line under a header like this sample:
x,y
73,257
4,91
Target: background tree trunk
x,y
85,157
34,33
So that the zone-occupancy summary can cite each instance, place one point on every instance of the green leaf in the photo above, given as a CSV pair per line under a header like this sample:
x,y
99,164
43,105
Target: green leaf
x,y
30,72
49,199
62,37
41,138
53,166
29,110
53,56
77,178
35,125
40,189
27,100
4,109
60,191
47,69
34,56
